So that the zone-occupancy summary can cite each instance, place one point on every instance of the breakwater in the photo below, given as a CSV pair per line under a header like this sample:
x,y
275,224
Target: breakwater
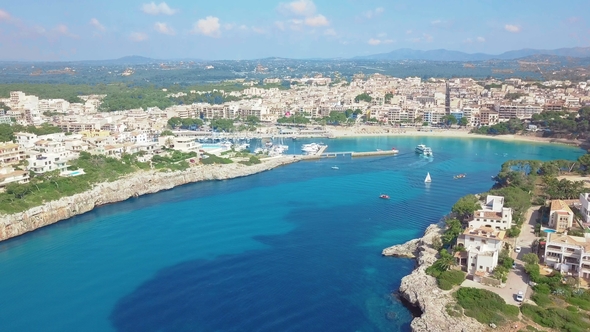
x,y
133,185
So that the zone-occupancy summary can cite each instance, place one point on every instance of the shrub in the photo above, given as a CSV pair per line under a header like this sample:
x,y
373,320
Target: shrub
x,y
583,304
555,318
541,299
485,306
453,276
444,284
542,289
572,308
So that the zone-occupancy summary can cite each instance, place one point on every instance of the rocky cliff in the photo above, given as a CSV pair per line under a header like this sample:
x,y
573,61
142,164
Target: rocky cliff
x,y
136,184
420,290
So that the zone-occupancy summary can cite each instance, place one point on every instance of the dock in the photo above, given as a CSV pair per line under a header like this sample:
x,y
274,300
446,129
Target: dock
x,y
353,154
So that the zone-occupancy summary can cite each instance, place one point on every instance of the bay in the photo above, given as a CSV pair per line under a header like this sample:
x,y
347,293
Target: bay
x,y
297,248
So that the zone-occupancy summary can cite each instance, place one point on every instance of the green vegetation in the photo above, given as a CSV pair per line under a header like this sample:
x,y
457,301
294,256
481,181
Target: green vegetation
x,y
512,126
513,95
174,160
363,97
295,119
485,306
166,133
452,231
448,119
176,122
463,122
465,206
7,131
556,318
213,159
252,161
225,125
560,122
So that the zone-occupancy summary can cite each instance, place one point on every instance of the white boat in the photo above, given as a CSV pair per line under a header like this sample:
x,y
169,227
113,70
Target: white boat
x,y
424,150
335,167
428,179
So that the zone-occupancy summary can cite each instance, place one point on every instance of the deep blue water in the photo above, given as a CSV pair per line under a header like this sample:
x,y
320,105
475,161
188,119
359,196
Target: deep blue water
x,y
297,248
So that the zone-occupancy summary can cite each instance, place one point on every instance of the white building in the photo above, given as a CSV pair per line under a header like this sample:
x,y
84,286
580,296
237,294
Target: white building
x,y
568,254
561,217
492,214
585,206
482,249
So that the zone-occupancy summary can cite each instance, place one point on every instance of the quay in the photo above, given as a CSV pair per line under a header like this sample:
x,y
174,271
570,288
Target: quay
x,y
322,154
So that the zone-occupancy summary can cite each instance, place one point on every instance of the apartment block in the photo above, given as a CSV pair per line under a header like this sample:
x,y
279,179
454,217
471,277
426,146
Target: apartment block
x,y
11,153
568,254
561,216
482,248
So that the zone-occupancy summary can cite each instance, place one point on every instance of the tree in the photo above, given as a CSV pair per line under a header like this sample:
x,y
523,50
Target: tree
x,y
166,133
252,120
363,97
175,122
463,122
449,119
445,262
530,258
465,206
453,230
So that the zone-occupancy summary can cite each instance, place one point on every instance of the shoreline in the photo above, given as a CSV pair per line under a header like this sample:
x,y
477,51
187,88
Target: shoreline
x,y
368,131
133,185
419,291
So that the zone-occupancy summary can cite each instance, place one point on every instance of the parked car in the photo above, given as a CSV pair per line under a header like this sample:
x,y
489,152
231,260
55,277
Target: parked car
x,y
520,296
514,265
517,249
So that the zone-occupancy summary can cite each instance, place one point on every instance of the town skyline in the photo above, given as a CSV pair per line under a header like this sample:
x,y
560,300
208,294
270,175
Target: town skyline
x,y
69,31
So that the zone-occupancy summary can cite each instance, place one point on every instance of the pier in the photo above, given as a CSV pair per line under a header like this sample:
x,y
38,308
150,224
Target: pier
x,y
353,154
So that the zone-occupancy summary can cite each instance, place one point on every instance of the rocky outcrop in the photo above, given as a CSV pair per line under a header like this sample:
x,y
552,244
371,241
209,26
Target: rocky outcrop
x,y
421,291
134,185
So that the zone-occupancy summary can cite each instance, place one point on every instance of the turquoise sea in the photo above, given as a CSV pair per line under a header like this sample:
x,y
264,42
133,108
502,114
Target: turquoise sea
x,y
297,248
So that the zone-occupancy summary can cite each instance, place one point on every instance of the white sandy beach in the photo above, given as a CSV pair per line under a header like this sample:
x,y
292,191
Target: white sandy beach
x,y
368,131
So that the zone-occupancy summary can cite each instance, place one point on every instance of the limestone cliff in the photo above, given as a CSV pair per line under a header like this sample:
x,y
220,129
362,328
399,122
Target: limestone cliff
x,y
136,184
421,290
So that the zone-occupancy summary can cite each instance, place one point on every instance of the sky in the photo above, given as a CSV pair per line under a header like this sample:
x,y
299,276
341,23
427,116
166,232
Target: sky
x,y
64,30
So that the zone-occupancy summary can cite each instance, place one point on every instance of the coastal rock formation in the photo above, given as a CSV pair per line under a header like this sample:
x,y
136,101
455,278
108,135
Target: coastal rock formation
x,y
133,185
420,290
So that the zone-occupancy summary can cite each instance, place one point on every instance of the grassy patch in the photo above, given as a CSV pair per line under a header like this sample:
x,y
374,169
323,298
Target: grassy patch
x,y
556,318
213,159
485,306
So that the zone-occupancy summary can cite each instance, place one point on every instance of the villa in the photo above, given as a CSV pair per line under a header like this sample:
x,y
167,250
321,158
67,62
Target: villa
x,y
492,214
482,248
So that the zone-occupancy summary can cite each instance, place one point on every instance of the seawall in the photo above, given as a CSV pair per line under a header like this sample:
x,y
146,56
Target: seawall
x,y
420,290
133,185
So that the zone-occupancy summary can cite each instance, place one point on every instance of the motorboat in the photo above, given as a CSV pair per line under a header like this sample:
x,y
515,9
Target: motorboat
x,y
424,150
384,196
335,167
459,176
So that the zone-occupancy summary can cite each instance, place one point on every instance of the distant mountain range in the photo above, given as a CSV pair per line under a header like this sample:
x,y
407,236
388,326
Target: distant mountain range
x,y
446,55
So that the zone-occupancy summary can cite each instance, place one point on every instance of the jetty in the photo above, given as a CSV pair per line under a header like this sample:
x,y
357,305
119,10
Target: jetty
x,y
322,154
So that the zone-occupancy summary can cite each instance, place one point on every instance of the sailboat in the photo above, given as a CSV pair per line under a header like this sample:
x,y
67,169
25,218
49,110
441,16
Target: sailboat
x,y
428,179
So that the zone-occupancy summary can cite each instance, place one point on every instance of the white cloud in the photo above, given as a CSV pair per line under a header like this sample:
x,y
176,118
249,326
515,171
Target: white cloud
x,y
317,21
373,13
62,29
229,26
138,36
512,28
163,28
375,41
208,26
95,23
4,16
298,7
480,39
330,32
243,27
258,30
153,9
280,25
425,38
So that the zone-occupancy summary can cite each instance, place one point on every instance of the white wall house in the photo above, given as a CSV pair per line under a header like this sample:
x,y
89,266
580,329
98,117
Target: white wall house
x,y
585,206
492,214
47,156
482,248
568,254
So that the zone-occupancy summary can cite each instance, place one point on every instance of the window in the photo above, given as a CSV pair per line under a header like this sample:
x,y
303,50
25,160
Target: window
x,y
471,239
